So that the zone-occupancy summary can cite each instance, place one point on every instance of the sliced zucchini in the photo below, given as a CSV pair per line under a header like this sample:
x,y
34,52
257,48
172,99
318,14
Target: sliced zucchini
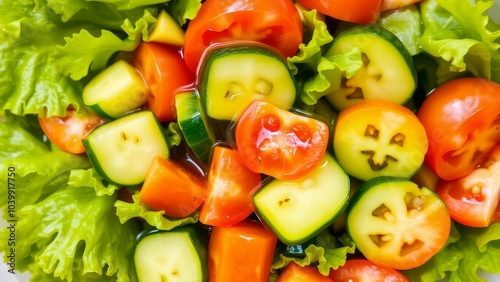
x,y
121,150
176,255
117,90
194,125
234,76
297,210
387,73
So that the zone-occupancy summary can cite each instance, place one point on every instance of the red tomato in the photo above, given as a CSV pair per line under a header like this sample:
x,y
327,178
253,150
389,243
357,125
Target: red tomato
x,y
462,120
279,143
172,188
473,200
164,71
357,11
296,273
230,183
241,252
276,23
67,132
365,270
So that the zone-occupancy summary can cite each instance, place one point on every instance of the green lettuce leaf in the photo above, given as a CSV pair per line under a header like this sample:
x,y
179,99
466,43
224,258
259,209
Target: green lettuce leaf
x,y
327,253
462,38
90,178
183,10
138,209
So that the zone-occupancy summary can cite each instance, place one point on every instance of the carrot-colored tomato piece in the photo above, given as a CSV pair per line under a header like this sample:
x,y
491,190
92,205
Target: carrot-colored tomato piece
x,y
357,11
279,143
229,186
241,252
172,188
365,270
67,132
296,273
165,72
276,23
462,121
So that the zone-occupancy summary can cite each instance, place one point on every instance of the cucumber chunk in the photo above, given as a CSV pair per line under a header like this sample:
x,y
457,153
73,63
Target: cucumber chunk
x,y
117,90
388,72
121,150
176,255
298,210
194,125
234,76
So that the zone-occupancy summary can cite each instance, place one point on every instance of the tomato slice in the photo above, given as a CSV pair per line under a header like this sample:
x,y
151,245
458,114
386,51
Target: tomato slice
x,y
165,72
357,11
296,273
365,270
230,184
276,23
279,143
461,118
172,188
379,138
68,132
473,200
244,251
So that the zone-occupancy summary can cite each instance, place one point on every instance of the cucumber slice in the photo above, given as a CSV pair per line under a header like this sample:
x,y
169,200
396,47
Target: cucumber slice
x,y
117,90
193,124
121,150
166,30
298,210
234,76
388,71
176,255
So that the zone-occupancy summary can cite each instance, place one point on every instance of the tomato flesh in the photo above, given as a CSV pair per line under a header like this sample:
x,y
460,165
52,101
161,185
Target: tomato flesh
x,y
296,273
279,143
357,11
365,270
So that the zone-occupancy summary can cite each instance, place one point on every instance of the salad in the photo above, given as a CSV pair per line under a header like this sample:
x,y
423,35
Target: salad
x,y
232,138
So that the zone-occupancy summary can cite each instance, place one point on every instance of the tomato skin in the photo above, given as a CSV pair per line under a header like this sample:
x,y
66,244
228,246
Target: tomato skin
x,y
473,200
358,11
241,252
461,118
279,143
165,72
67,132
296,273
276,23
229,186
172,188
365,270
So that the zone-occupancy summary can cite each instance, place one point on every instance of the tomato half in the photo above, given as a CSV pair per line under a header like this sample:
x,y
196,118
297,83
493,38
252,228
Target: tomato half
x,y
67,132
296,273
165,72
229,186
379,138
462,121
276,23
365,270
473,200
241,252
357,11
172,188
279,143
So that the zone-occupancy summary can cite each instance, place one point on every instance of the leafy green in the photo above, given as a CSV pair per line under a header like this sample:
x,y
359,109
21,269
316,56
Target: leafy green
x,y
183,10
462,38
90,178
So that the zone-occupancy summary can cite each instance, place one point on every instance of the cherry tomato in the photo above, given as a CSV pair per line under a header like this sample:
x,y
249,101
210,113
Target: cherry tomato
x,y
473,200
230,184
462,121
357,11
279,143
365,270
165,72
67,132
276,23
296,273
172,188
241,252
